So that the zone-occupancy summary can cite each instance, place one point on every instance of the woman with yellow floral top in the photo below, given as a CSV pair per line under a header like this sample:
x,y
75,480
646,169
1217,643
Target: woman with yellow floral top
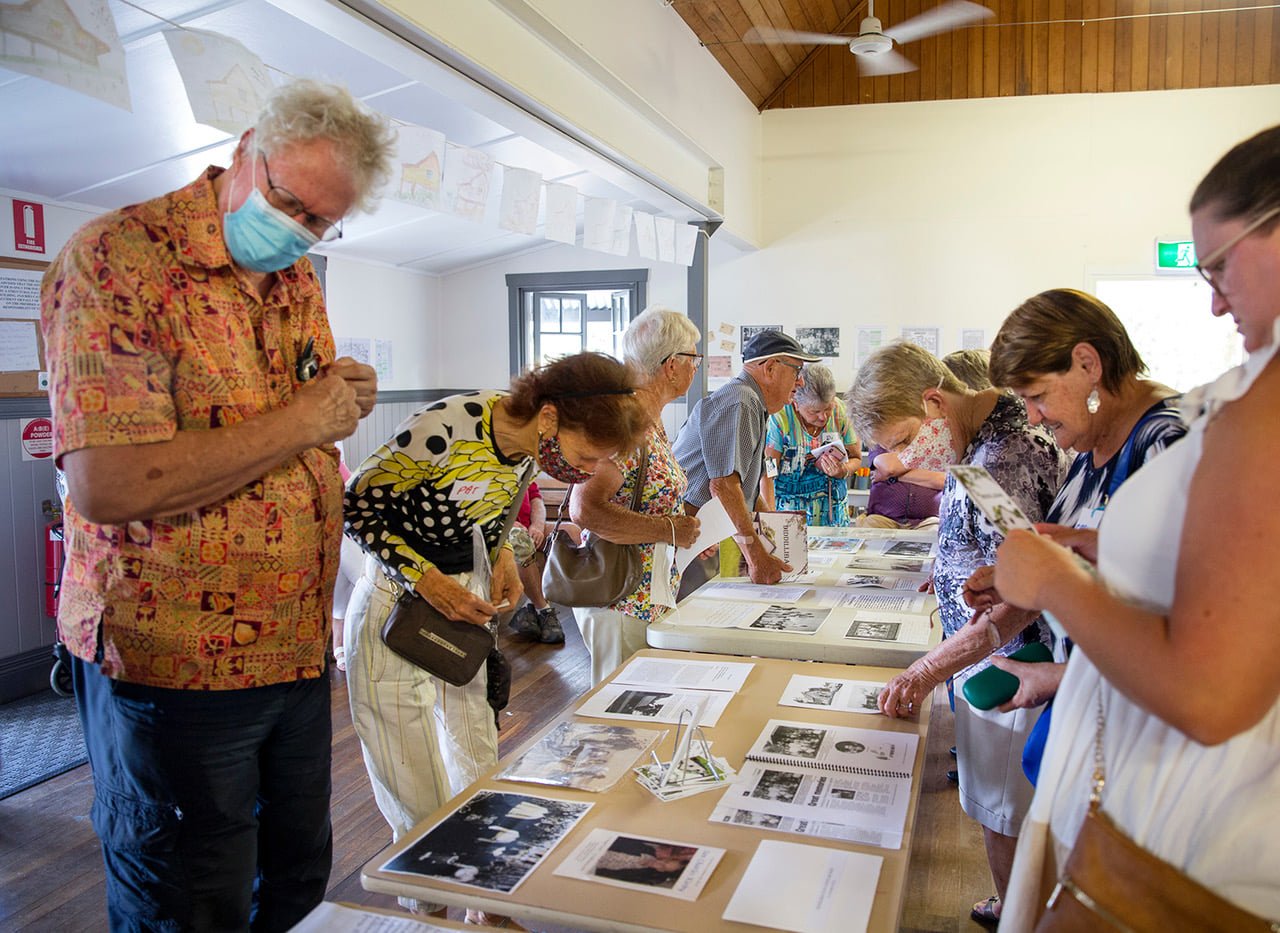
x,y
413,505
661,346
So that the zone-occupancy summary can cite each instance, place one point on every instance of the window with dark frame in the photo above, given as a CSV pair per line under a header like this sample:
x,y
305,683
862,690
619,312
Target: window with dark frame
x,y
558,314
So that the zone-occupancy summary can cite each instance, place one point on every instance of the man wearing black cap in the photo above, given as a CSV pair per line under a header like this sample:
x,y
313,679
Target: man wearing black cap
x,y
721,446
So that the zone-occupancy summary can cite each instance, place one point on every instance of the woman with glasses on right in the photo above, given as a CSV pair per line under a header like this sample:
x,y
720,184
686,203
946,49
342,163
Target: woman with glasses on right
x,y
1173,691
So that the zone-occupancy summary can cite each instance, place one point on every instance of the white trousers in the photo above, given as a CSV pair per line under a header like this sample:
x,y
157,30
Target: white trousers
x,y
611,637
423,740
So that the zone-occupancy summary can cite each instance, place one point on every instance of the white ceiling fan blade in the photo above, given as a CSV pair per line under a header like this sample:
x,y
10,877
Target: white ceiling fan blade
x,y
941,18
767,35
884,63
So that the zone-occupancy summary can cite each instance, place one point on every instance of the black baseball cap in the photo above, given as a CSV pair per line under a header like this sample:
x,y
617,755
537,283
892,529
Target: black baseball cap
x,y
771,343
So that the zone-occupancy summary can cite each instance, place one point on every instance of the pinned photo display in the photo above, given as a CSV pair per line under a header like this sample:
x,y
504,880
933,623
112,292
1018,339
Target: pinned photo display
x,y
992,501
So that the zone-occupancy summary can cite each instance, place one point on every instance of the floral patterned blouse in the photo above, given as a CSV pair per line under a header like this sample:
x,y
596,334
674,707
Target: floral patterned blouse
x,y
664,487
1030,466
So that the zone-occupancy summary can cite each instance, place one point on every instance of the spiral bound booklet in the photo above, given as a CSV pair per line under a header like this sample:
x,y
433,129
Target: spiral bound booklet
x,y
835,781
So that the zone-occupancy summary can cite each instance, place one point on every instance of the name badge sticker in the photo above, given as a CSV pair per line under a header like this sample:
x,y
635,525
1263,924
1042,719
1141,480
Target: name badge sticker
x,y
468,492
770,467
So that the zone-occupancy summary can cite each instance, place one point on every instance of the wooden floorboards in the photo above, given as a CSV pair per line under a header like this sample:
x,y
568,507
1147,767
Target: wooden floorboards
x,y
51,868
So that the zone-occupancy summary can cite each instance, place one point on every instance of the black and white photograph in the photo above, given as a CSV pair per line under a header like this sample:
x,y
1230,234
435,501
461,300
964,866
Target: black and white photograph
x,y
640,703
909,549
899,564
493,841
822,694
857,696
820,341
750,330
794,619
796,741
778,785
642,863
752,818
874,631
582,755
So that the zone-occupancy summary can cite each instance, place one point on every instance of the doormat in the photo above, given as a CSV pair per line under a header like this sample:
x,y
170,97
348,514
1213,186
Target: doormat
x,y
40,738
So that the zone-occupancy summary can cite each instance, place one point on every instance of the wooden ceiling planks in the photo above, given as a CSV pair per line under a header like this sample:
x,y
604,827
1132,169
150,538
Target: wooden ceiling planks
x,y
1028,47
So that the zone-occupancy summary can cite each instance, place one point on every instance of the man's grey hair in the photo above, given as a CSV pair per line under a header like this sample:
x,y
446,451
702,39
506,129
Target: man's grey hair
x,y
304,110
654,335
819,385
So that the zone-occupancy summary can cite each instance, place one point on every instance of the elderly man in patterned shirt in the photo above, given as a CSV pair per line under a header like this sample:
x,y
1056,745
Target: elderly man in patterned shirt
x,y
196,401
721,446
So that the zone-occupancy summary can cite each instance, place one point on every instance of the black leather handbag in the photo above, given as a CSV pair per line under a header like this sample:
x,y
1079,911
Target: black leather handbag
x,y
422,635
419,633
596,572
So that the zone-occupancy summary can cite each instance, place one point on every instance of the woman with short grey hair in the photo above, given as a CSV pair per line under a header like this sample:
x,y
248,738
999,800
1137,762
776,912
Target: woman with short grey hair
x,y
655,336
797,481
661,346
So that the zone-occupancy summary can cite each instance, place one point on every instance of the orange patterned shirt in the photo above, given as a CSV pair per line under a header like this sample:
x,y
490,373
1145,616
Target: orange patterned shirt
x,y
149,330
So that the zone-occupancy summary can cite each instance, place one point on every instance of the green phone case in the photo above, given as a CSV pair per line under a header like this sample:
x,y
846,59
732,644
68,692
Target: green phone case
x,y
994,686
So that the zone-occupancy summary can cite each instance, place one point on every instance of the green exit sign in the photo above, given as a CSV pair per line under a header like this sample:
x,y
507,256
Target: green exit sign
x,y
1175,254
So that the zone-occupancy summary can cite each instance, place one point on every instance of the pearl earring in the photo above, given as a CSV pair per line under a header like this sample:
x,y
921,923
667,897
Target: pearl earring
x,y
1093,402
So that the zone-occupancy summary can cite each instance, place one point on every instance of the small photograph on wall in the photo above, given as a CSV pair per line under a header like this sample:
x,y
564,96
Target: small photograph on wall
x,y
750,330
820,341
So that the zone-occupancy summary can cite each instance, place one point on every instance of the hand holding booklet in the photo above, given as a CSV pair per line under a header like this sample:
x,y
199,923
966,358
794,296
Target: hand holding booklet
x,y
992,501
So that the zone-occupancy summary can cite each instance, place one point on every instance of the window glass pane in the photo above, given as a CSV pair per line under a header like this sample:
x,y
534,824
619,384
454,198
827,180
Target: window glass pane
x,y
1168,320
549,318
571,315
600,337
554,346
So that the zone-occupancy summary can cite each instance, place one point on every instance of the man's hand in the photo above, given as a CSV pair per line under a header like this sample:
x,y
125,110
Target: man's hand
x,y
363,379
325,409
453,599
763,567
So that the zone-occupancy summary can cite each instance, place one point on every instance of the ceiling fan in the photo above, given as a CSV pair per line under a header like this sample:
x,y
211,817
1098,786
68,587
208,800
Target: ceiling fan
x,y
873,45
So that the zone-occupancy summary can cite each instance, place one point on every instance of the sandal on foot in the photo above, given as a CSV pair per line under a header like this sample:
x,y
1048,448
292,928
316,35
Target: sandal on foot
x,y
987,913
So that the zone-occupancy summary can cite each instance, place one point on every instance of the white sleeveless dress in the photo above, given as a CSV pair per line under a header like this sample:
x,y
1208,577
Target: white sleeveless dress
x,y
1213,812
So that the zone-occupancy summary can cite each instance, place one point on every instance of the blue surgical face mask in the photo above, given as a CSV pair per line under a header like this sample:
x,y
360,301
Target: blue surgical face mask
x,y
262,238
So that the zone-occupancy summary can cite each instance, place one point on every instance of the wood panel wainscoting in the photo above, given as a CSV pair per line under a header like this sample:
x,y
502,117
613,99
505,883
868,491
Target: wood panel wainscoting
x,y
51,867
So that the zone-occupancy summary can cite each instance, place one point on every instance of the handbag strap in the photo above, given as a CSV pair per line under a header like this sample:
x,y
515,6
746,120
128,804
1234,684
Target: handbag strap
x,y
525,479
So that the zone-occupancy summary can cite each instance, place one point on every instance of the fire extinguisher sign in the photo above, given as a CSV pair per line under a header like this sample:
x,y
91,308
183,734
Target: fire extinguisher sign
x,y
28,226
37,439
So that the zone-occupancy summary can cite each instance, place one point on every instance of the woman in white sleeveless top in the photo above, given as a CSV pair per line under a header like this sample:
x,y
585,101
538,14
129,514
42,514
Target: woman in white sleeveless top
x,y
1179,634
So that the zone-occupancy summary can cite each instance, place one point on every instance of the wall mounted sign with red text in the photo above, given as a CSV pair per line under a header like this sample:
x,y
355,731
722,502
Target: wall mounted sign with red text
x,y
37,439
28,226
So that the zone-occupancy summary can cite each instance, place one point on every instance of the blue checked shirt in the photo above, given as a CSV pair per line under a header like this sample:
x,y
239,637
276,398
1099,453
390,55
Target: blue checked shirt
x,y
724,435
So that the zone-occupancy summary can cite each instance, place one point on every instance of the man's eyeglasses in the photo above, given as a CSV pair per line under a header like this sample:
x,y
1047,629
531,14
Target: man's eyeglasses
x,y
798,369
284,200
696,357
1212,265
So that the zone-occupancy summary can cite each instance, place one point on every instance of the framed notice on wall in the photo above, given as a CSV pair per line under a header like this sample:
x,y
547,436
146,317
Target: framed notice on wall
x,y
22,363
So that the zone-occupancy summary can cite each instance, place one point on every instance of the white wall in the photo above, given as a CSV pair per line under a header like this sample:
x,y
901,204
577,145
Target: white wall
x,y
951,213
386,303
474,313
